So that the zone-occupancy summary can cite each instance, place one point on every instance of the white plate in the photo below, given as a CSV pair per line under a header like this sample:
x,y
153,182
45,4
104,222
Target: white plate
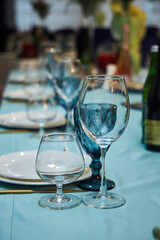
x,y
135,86
17,76
19,168
21,76
24,94
19,120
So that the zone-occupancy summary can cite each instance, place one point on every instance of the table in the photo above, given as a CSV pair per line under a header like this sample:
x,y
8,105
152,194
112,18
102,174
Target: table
x,y
135,171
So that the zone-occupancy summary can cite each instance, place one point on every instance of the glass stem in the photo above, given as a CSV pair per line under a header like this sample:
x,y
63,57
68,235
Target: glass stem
x,y
59,193
95,168
41,129
68,123
103,189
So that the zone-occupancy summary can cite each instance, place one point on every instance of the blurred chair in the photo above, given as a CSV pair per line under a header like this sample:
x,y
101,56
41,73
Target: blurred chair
x,y
7,63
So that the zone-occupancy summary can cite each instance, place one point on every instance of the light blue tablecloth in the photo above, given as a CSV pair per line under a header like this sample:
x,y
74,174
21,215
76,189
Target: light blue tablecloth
x,y
135,171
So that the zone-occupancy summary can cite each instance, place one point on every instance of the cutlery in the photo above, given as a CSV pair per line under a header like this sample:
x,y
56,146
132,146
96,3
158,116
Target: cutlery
x,y
14,131
136,105
22,191
29,130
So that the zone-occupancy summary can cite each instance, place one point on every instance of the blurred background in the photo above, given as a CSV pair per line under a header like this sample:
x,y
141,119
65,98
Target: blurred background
x,y
91,30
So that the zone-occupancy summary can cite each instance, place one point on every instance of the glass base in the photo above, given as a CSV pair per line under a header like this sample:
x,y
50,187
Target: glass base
x,y
109,200
94,184
53,202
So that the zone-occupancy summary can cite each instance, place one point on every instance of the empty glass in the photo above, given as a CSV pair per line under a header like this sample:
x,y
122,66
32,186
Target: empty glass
x,y
59,161
104,113
40,110
68,79
49,55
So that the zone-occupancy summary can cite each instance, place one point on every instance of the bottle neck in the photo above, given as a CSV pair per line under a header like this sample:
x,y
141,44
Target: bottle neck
x,y
124,64
158,62
125,44
157,78
153,63
151,75
154,91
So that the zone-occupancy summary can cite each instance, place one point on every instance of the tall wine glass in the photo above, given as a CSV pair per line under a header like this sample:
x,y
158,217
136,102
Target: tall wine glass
x,y
68,79
104,113
40,110
49,55
59,161
93,150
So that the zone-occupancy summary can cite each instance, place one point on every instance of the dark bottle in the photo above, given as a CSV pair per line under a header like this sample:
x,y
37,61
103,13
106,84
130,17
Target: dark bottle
x,y
148,82
84,46
152,111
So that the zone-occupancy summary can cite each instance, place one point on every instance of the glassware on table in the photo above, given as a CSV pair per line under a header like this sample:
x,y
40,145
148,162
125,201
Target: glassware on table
x,y
68,79
93,150
32,70
40,110
59,161
50,53
35,87
104,113
37,82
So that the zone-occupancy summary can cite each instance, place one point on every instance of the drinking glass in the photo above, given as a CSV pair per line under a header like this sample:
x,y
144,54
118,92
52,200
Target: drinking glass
x,y
93,150
49,55
67,84
36,79
59,161
32,71
104,113
40,110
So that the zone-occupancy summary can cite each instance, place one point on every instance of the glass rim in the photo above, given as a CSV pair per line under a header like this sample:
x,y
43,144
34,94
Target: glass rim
x,y
67,60
50,49
48,137
104,77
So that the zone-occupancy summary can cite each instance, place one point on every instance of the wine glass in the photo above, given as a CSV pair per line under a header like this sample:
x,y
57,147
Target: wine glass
x,y
93,150
59,161
49,55
68,79
32,71
40,110
103,109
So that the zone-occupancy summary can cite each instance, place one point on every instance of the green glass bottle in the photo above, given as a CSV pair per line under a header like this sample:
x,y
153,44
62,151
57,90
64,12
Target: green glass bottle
x,y
148,82
84,46
151,109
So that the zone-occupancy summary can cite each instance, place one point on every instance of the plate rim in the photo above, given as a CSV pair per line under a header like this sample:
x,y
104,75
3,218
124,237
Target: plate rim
x,y
86,174
24,98
50,124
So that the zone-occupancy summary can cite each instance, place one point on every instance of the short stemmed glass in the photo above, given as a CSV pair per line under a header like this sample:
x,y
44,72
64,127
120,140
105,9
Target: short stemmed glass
x,y
68,79
59,161
40,110
104,113
93,150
